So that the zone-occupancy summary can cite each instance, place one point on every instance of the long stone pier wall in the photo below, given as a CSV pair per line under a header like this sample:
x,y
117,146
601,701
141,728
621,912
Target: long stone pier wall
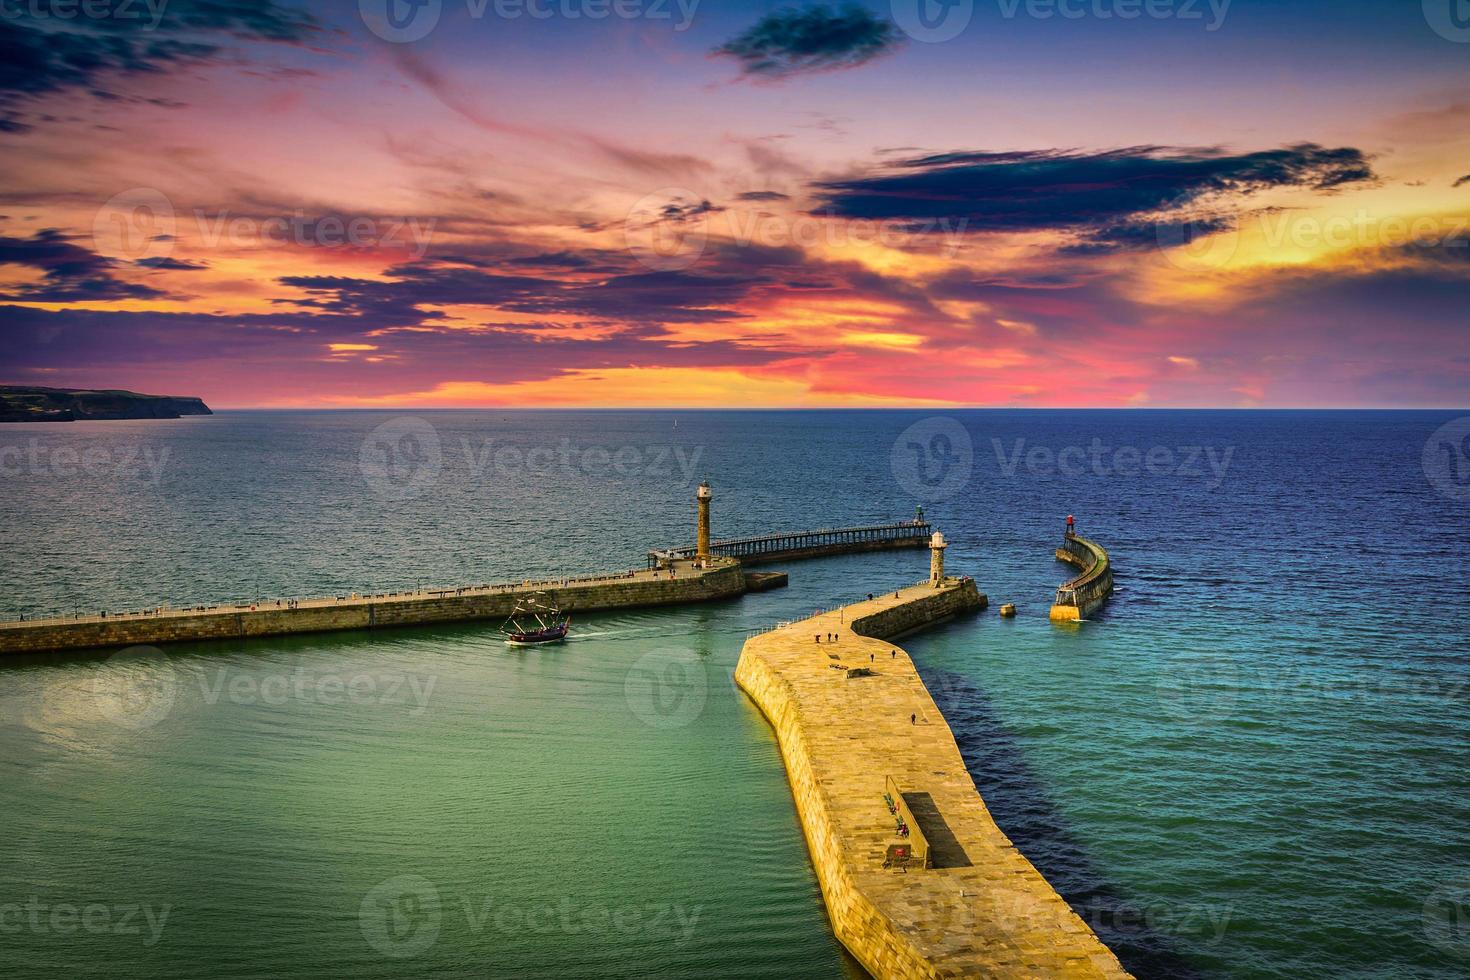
x,y
1085,592
982,910
722,579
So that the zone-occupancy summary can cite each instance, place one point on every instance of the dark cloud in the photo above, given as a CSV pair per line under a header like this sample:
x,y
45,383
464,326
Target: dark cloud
x,y
1114,198
1463,180
676,211
793,42
50,46
69,272
764,196
415,293
164,262
1135,236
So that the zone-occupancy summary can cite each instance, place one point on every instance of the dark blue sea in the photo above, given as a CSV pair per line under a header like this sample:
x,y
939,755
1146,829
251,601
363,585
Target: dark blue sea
x,y
1254,761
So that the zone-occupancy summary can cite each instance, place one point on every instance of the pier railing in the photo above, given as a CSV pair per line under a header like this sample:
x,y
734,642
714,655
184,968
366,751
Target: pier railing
x,y
906,533
344,599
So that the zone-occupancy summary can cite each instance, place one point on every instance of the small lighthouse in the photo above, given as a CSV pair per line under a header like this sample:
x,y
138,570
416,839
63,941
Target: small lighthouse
x,y
937,544
702,496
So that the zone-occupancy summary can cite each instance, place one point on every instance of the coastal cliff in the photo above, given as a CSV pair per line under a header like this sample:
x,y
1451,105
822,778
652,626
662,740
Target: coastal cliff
x,y
21,403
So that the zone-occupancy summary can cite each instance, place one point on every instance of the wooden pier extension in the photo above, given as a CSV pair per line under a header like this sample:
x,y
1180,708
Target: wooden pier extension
x,y
796,545
852,741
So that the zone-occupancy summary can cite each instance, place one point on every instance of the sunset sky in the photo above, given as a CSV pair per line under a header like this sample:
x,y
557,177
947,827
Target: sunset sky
x,y
706,203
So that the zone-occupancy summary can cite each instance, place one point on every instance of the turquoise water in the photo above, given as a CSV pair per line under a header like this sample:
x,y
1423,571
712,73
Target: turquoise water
x,y
1252,763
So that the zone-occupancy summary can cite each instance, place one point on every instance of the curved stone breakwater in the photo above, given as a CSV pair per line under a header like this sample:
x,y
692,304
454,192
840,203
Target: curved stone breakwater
x,y
688,582
980,909
1080,595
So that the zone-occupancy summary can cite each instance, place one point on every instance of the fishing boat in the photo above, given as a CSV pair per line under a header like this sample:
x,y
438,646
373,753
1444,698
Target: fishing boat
x,y
535,619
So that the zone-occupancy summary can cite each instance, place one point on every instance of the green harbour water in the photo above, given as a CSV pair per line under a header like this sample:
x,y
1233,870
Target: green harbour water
x,y
1252,763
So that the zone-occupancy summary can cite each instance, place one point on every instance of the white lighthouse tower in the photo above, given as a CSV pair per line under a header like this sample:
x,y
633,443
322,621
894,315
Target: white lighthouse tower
x,y
937,544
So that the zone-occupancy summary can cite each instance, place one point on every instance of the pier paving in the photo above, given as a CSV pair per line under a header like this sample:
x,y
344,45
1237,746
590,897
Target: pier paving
x,y
982,910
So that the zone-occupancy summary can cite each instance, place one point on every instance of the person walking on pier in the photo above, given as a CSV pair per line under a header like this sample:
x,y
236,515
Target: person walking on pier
x,y
1071,526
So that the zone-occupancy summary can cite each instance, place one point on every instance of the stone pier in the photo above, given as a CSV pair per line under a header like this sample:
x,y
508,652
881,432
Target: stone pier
x,y
1080,595
866,750
684,582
